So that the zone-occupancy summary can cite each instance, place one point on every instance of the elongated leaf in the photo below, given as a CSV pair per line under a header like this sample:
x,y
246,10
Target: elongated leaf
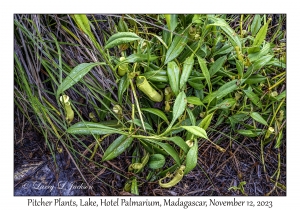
x,y
173,75
196,83
255,79
278,140
169,149
137,58
191,158
152,148
253,97
196,131
227,48
156,112
134,187
121,38
226,104
191,116
123,85
171,20
87,124
138,122
177,46
256,24
75,75
206,121
223,90
258,64
186,71
259,38
83,23
281,95
249,133
157,76
240,68
179,142
217,65
109,124
156,161
89,128
230,33
205,72
117,147
257,117
179,106
194,100
263,51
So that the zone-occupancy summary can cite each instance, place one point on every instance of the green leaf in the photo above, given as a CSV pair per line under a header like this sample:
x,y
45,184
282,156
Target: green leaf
x,y
179,142
156,161
256,24
206,121
179,106
248,133
257,117
194,100
137,58
191,116
259,38
264,51
205,72
240,68
196,83
278,140
152,148
138,122
196,131
227,48
177,46
123,85
169,149
223,90
253,97
75,75
255,79
225,104
121,38
230,33
217,65
156,112
186,71
117,147
171,20
156,76
83,23
173,75
191,158
134,187
261,62
91,128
